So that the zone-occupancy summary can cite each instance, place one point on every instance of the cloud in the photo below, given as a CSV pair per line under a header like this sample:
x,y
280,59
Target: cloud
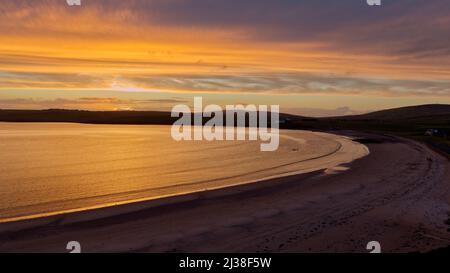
x,y
252,46
401,26
406,27
91,103
257,83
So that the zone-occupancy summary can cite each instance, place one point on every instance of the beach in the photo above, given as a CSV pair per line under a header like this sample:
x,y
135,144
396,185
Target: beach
x,y
397,195
55,168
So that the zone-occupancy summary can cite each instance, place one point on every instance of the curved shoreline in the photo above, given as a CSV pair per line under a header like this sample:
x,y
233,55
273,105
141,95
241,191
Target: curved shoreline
x,y
109,209
398,195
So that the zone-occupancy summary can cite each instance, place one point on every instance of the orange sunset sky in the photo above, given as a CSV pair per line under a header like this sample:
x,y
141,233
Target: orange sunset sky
x,y
312,57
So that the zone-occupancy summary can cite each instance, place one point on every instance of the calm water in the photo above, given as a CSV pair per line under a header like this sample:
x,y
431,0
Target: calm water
x,y
47,168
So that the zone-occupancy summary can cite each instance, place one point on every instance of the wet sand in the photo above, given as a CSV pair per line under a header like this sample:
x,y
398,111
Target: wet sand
x,y
398,195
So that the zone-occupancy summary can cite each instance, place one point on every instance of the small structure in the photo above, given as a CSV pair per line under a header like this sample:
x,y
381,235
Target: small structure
x,y
437,133
431,132
284,121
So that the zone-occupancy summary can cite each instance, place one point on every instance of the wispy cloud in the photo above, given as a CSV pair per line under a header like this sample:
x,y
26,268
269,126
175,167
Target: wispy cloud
x,y
253,46
258,83
90,103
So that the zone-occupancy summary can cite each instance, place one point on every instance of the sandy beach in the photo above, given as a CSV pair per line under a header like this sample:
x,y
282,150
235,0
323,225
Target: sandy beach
x,y
398,195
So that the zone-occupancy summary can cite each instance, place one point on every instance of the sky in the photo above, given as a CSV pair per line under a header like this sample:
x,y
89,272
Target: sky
x,y
313,57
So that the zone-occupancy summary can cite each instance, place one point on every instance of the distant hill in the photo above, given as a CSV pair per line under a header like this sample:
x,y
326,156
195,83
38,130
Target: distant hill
x,y
97,117
94,117
409,112
433,113
412,122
